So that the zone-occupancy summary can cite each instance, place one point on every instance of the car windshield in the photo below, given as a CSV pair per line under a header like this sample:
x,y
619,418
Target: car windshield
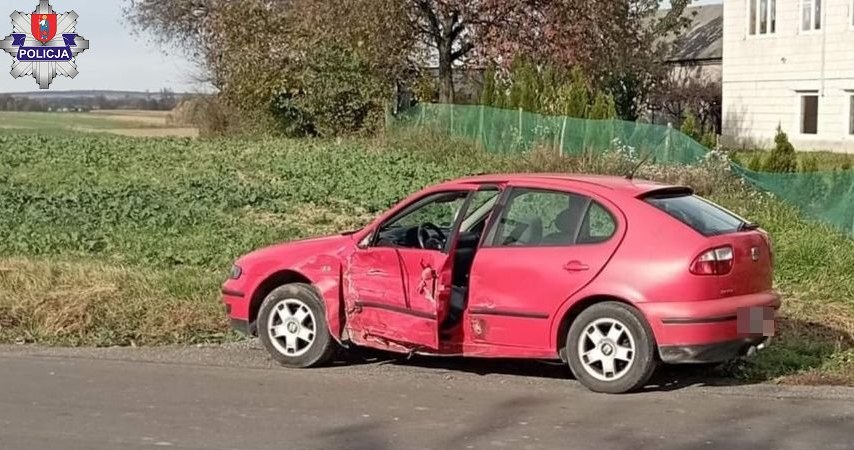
x,y
700,214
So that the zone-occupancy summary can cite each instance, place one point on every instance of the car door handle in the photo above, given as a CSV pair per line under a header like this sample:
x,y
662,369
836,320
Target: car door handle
x,y
376,273
575,266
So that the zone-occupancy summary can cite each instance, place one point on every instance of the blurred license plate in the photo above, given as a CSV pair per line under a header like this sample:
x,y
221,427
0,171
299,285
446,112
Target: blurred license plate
x,y
756,321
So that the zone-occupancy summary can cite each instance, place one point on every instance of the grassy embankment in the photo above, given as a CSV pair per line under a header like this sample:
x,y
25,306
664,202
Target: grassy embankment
x,y
110,240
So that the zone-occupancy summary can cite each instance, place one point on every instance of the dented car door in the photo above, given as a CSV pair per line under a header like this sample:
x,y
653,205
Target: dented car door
x,y
393,289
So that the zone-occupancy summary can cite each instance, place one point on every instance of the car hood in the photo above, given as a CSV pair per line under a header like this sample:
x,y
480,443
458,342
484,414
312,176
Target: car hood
x,y
290,251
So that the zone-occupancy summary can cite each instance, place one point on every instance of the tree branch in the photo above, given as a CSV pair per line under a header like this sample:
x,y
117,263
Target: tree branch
x,y
464,48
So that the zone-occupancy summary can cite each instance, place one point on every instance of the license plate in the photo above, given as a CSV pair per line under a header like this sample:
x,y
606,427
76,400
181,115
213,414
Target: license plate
x,y
756,321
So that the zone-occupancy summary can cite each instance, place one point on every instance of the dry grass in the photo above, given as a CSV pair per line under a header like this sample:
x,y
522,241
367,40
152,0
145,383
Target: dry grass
x,y
148,118
88,303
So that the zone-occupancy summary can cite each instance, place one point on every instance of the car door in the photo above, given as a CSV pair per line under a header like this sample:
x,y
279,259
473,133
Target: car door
x,y
545,245
395,289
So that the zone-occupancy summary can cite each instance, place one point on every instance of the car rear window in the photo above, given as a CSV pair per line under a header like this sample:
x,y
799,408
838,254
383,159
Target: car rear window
x,y
698,213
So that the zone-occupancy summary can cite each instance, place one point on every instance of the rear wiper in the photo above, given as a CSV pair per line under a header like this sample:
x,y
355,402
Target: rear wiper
x,y
747,226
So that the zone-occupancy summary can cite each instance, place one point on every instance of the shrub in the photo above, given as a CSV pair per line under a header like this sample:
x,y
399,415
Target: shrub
x,y
782,158
756,163
547,90
691,128
709,140
208,113
603,107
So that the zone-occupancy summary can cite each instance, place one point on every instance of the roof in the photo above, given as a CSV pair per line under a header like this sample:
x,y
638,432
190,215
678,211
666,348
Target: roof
x,y
703,40
633,187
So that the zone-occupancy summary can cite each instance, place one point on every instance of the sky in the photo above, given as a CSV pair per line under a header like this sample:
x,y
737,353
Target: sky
x,y
116,59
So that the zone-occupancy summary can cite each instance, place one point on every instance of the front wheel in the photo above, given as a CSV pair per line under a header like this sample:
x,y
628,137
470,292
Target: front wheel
x,y
292,327
611,348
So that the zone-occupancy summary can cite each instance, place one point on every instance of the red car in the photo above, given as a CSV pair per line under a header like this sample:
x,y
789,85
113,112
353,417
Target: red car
x,y
611,275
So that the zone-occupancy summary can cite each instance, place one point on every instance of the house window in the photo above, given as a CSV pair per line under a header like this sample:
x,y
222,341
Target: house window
x,y
763,16
810,15
809,114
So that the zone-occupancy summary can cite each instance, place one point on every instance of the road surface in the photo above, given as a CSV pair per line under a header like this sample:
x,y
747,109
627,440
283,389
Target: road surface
x,y
232,398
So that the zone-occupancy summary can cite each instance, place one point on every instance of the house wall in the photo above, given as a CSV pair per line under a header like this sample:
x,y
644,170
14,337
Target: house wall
x,y
764,76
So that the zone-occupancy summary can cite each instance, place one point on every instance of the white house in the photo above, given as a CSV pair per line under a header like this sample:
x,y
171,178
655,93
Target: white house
x,y
789,63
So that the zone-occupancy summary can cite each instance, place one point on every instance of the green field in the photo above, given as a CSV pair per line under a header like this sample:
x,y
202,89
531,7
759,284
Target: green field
x,y
110,240
131,123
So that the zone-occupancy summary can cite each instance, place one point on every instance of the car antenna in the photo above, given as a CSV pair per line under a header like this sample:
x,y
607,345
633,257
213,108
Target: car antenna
x,y
631,175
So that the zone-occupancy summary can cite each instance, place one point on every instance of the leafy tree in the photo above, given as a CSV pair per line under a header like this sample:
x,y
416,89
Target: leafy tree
x,y
290,61
451,30
621,45
676,95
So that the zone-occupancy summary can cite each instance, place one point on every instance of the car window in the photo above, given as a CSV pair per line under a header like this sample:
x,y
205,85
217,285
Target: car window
x,y
439,209
598,226
702,215
481,205
537,217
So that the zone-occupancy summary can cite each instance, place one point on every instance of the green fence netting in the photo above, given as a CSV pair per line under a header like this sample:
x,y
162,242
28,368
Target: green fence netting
x,y
827,196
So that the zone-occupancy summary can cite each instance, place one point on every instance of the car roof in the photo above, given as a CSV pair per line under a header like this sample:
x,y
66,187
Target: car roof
x,y
633,187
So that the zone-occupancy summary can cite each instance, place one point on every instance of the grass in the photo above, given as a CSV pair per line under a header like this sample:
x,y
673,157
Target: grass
x,y
827,161
84,302
110,240
128,123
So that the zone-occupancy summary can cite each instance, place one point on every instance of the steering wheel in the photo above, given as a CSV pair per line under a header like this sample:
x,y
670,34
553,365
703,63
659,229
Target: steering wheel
x,y
428,231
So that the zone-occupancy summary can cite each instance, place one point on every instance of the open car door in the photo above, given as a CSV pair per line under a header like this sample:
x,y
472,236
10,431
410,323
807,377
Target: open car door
x,y
398,281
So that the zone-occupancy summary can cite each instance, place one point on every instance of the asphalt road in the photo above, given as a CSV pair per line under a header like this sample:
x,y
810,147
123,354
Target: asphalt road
x,y
232,398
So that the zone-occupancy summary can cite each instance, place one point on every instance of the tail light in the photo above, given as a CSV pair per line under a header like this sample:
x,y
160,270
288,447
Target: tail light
x,y
717,261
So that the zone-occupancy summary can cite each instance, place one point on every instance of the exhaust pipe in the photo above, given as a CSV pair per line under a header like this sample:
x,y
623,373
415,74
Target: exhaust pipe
x,y
754,349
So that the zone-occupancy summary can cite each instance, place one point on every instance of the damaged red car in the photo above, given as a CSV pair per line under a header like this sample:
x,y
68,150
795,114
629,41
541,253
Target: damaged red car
x,y
611,275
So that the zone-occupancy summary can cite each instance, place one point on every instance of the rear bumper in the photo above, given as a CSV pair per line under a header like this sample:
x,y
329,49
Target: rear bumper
x,y
699,324
710,353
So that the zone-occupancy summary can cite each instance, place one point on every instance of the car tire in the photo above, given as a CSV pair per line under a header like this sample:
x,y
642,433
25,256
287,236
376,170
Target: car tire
x,y
292,326
611,348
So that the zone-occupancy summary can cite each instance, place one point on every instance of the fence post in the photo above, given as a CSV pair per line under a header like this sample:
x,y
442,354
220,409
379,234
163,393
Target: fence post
x,y
520,125
562,135
451,131
667,141
480,139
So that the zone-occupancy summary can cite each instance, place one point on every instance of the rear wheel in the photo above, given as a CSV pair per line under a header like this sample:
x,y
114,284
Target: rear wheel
x,y
611,348
292,327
